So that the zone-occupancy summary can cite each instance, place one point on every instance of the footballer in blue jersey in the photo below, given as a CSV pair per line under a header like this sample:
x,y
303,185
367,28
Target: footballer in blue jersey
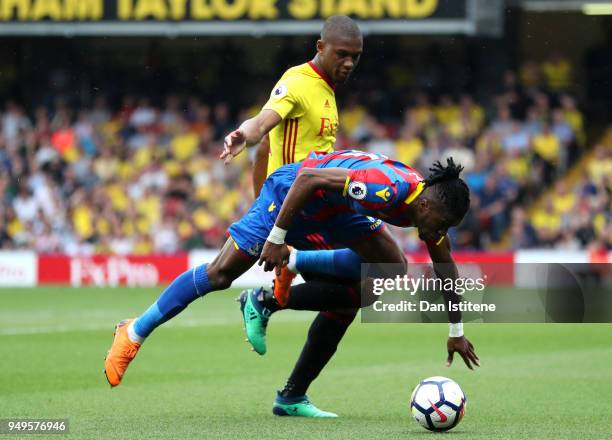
x,y
329,201
375,189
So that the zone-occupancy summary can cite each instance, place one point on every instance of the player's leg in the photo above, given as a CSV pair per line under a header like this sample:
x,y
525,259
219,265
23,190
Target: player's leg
x,y
258,305
229,264
324,334
248,236
344,263
329,327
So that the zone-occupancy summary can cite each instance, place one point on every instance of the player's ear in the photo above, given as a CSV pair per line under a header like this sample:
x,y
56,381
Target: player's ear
x,y
320,46
424,204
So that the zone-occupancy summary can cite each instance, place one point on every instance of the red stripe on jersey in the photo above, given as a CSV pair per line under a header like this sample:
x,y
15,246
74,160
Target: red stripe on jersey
x,y
285,141
329,211
314,240
317,238
292,128
411,175
373,206
294,140
370,175
287,145
322,239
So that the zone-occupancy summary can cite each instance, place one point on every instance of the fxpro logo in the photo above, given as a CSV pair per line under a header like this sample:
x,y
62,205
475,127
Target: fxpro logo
x,y
111,272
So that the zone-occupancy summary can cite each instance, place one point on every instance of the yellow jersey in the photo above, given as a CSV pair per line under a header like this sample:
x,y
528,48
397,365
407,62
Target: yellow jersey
x,y
304,98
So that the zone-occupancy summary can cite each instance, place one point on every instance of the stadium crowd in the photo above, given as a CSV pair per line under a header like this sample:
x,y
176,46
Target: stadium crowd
x,y
576,214
140,178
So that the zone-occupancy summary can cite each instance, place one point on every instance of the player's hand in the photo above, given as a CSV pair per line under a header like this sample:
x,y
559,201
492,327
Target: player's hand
x,y
465,348
274,256
233,144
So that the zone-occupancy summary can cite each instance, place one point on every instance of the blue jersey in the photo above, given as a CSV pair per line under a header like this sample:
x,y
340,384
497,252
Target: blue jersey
x,y
375,186
376,189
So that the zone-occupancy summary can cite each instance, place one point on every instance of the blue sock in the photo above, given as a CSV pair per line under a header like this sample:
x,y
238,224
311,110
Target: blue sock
x,y
179,294
339,262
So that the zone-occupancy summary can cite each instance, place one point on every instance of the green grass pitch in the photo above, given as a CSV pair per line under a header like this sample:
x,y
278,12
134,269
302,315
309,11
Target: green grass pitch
x,y
196,378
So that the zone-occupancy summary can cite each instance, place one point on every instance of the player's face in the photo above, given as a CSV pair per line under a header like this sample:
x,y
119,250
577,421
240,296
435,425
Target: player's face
x,y
432,233
340,56
432,224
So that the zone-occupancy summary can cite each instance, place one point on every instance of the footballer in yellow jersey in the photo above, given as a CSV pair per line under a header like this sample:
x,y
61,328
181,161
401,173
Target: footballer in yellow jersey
x,y
301,114
304,98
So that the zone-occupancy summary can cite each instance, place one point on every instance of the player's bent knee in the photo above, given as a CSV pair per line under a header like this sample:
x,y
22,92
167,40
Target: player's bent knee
x,y
222,282
219,279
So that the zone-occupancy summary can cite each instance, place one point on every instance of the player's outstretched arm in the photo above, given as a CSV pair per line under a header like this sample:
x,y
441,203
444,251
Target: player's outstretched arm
x,y
445,268
249,133
275,253
260,164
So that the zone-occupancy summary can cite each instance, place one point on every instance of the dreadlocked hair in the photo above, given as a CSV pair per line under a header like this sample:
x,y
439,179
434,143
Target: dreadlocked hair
x,y
450,190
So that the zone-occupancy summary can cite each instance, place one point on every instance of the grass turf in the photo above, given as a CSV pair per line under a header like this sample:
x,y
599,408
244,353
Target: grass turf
x,y
196,378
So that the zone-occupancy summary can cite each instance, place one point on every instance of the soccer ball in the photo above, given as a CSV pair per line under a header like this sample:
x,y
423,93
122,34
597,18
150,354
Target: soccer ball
x,y
438,403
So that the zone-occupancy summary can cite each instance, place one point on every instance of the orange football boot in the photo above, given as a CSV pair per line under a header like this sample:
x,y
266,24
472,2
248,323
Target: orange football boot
x,y
282,284
121,353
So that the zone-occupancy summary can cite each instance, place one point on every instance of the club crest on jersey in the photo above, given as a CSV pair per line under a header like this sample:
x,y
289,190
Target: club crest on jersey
x,y
280,91
255,249
357,190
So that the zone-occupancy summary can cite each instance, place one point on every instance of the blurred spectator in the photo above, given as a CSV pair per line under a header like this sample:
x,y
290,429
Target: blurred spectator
x,y
25,204
409,146
547,149
563,200
547,223
524,235
573,118
517,140
468,234
534,122
13,122
143,115
502,125
557,72
492,206
600,167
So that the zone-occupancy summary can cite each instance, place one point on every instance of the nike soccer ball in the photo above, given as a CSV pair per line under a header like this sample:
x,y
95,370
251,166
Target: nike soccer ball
x,y
438,403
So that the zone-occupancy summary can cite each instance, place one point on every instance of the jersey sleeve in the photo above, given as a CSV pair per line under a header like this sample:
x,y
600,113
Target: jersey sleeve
x,y
287,98
370,190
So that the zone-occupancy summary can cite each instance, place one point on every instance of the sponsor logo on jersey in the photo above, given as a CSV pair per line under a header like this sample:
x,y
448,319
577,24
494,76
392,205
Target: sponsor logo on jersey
x,y
272,207
357,190
327,104
374,222
384,193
